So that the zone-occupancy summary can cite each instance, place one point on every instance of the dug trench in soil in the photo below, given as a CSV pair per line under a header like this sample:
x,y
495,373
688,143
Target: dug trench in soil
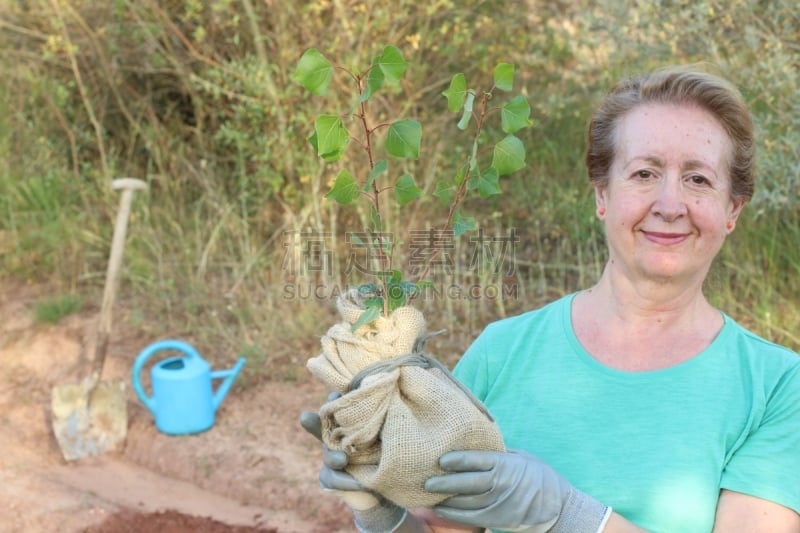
x,y
130,521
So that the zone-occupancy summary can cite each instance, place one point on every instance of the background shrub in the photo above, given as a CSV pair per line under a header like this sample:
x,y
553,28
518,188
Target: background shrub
x,y
195,97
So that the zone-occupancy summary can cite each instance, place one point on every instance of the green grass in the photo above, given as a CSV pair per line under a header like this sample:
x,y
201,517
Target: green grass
x,y
52,310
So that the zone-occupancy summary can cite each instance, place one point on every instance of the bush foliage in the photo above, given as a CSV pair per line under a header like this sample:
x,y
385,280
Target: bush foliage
x,y
196,98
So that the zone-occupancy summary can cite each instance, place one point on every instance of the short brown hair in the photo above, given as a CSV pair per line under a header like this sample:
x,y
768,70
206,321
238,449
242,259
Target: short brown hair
x,y
675,85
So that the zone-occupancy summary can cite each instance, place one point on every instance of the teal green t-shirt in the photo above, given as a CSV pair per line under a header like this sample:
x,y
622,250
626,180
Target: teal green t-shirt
x,y
657,446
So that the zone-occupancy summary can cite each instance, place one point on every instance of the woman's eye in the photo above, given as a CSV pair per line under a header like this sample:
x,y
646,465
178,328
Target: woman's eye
x,y
643,174
697,179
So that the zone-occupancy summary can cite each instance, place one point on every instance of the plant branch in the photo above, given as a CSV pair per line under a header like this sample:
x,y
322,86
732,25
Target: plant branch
x,y
480,119
403,141
375,195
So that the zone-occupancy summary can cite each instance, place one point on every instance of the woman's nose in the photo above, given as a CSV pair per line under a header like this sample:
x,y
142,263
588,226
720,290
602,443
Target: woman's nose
x,y
669,202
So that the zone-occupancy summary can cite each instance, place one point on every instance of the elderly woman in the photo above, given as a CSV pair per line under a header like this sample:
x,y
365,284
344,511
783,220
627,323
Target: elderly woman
x,y
633,405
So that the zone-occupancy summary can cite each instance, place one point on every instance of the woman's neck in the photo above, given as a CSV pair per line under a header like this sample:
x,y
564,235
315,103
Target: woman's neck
x,y
643,326
663,302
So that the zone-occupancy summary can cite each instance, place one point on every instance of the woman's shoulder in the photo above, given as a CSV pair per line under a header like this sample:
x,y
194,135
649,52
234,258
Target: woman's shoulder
x,y
550,312
749,345
504,342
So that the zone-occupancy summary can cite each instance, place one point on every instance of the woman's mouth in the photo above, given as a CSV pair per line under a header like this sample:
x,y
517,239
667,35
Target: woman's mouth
x,y
665,239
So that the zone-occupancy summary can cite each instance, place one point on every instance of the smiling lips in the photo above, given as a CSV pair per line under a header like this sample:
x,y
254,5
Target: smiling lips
x,y
665,239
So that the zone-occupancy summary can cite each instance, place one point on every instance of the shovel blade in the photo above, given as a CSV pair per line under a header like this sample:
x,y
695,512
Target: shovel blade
x,y
89,418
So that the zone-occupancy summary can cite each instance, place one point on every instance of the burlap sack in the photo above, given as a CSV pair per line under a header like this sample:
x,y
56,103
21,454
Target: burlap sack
x,y
400,410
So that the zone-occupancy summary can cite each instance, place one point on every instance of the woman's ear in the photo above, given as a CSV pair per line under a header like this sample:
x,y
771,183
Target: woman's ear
x,y
733,214
600,201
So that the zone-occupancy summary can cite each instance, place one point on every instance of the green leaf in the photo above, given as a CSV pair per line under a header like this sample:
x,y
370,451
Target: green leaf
x,y
331,137
313,140
515,114
504,76
473,156
397,298
367,288
379,168
456,94
487,183
464,122
374,302
460,174
375,80
411,289
345,189
392,64
404,138
398,292
509,155
423,284
313,72
375,219
370,314
405,190
445,192
331,156
393,276
462,224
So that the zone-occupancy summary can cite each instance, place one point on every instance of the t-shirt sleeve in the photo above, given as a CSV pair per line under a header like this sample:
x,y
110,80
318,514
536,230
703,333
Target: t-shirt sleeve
x,y
767,465
471,369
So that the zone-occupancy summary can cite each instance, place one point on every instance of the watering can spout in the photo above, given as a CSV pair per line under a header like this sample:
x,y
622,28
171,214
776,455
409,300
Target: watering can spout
x,y
225,386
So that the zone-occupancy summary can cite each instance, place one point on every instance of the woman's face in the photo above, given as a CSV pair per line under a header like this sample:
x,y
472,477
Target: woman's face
x,y
667,205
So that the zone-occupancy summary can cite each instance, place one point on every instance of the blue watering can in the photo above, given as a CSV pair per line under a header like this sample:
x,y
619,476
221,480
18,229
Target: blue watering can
x,y
183,399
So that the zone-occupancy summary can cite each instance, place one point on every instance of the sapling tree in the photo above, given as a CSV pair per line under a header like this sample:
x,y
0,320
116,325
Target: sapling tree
x,y
387,143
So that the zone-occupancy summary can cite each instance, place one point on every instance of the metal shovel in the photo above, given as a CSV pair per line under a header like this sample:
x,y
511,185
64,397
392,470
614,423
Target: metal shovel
x,y
91,417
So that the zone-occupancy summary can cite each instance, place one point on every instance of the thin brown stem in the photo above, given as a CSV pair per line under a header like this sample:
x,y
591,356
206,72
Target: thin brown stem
x,y
375,196
480,119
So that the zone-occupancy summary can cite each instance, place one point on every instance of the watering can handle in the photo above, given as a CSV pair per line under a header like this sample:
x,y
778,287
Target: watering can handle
x,y
168,344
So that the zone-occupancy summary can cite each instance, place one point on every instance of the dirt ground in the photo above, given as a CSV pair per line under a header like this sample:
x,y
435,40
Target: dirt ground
x,y
254,470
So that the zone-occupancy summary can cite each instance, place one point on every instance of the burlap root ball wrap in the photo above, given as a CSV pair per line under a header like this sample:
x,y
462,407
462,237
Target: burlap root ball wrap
x,y
403,415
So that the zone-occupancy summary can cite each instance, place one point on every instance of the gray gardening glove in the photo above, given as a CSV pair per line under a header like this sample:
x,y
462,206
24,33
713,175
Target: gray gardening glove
x,y
514,491
371,512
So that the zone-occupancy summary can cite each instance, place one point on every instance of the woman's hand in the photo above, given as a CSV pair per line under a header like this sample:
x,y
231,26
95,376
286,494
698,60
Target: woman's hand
x,y
514,491
371,512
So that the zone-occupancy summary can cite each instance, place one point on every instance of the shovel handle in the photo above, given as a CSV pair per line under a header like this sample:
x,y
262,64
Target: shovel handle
x,y
127,186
